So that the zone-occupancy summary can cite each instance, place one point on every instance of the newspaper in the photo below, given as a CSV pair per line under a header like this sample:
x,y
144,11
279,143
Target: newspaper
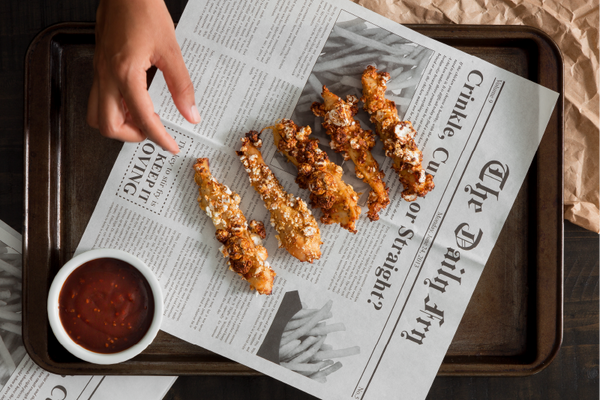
x,y
389,297
21,378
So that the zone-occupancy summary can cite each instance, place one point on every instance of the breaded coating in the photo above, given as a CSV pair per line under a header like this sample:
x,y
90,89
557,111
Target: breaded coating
x,y
297,228
348,138
397,136
336,199
241,244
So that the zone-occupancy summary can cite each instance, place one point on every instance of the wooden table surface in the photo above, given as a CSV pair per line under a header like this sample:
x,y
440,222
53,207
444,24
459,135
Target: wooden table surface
x,y
572,375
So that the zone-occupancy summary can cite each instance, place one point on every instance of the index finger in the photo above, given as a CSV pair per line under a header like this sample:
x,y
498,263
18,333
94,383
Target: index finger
x,y
135,93
178,81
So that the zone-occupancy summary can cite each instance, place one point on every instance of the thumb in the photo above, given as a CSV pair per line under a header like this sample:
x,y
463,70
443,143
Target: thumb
x,y
179,83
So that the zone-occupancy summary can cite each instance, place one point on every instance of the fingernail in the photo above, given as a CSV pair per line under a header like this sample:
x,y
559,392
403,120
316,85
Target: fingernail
x,y
124,105
195,115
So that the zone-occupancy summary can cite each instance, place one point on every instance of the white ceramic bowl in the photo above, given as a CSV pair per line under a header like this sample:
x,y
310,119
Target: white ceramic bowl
x,y
63,336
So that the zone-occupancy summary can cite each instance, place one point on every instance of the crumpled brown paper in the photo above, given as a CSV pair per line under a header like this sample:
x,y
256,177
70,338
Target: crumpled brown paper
x,y
573,25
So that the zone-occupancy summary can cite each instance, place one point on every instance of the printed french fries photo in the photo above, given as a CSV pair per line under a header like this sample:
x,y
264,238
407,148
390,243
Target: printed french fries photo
x,y
308,343
352,45
12,350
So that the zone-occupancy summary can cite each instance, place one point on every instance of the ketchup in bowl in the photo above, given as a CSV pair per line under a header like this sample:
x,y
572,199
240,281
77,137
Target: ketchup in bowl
x,y
106,305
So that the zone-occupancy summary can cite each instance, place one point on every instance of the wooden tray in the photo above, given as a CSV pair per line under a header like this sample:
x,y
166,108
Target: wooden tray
x,y
513,326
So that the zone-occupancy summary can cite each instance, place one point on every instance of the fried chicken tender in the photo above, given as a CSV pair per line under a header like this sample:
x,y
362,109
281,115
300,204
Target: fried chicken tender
x,y
348,138
297,228
397,136
247,257
336,199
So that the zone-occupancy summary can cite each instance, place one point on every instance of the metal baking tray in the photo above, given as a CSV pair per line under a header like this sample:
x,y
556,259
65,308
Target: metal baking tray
x,y
513,325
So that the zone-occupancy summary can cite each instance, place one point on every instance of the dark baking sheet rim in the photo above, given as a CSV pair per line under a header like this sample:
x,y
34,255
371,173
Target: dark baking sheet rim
x,y
39,229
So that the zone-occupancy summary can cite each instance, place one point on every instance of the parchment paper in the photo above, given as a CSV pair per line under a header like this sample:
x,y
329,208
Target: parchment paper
x,y
573,25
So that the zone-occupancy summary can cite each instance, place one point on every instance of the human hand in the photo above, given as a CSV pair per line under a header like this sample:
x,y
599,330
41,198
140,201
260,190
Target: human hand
x,y
132,36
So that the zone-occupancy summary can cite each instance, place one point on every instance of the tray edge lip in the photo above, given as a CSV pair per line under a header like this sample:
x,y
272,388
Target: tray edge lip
x,y
73,27
43,37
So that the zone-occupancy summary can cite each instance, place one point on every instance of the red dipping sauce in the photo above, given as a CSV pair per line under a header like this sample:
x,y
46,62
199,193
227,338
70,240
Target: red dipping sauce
x,y
106,305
